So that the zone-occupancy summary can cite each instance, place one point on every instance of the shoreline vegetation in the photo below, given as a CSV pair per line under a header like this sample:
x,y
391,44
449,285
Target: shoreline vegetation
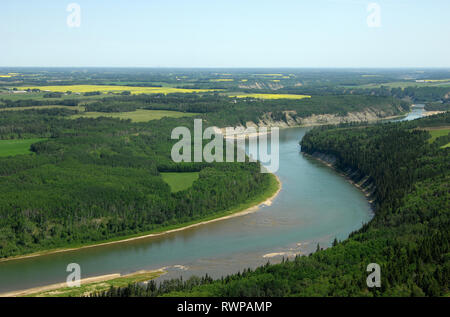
x,y
245,208
88,285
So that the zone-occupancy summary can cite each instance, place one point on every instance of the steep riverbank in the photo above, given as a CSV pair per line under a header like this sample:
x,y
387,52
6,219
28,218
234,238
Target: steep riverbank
x,y
354,176
293,121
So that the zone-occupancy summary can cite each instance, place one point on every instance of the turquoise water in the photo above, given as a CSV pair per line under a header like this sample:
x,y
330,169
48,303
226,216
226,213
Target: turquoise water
x,y
314,206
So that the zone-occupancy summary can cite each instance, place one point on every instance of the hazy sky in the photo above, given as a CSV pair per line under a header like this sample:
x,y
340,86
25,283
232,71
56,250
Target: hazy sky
x,y
226,33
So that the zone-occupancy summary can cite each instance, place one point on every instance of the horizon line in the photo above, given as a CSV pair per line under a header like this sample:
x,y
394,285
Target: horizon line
x,y
242,67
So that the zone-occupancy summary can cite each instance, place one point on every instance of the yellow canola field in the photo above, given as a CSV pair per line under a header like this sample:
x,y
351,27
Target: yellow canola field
x,y
269,75
9,75
222,79
112,88
272,96
436,80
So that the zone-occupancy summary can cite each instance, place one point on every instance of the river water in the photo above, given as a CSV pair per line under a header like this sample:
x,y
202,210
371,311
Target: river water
x,y
314,206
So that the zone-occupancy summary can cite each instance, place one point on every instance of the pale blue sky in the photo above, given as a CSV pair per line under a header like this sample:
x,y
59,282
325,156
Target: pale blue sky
x,y
225,33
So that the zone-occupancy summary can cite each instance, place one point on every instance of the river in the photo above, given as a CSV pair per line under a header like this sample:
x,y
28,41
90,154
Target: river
x,y
314,206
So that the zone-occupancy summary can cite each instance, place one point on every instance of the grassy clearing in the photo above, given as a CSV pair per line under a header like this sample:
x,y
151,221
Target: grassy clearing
x,y
179,181
99,286
272,96
140,115
438,132
115,88
16,147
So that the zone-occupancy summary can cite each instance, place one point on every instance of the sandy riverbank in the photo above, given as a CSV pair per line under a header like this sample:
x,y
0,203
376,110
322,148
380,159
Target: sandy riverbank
x,y
431,113
83,282
253,208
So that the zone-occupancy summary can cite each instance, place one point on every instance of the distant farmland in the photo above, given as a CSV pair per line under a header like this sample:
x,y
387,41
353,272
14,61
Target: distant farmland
x,y
140,115
273,96
116,89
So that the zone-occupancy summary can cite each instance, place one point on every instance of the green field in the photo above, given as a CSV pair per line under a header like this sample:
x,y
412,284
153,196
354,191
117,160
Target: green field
x,y
436,133
179,181
140,115
16,147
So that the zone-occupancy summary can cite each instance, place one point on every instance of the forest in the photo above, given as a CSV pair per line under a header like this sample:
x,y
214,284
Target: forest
x,y
98,179
408,237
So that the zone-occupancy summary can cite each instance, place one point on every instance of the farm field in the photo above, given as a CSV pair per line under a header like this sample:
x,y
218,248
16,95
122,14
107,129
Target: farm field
x,y
114,88
9,75
179,181
437,80
16,147
436,133
269,75
140,115
272,96
40,96
404,84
